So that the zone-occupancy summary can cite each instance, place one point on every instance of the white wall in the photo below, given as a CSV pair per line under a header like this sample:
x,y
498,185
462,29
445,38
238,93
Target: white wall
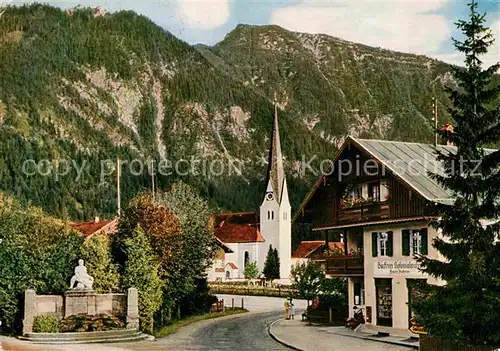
x,y
238,255
399,289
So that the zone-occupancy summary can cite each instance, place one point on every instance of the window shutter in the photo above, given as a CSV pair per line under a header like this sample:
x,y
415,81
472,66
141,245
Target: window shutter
x,y
406,242
374,244
389,244
424,242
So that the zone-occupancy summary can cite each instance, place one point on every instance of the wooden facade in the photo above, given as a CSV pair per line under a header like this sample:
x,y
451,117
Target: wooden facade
x,y
325,208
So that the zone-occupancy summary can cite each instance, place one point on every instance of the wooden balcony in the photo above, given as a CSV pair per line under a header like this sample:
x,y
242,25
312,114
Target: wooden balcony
x,y
363,212
344,266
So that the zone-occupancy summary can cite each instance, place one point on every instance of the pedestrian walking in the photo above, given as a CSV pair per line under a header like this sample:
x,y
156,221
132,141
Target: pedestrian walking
x,y
292,309
287,309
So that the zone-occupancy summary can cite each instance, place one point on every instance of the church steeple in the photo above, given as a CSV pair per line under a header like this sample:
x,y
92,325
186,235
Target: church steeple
x,y
275,172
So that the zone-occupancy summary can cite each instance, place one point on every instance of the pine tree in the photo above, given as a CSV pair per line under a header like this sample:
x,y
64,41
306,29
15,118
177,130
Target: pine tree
x,y
467,308
277,260
271,266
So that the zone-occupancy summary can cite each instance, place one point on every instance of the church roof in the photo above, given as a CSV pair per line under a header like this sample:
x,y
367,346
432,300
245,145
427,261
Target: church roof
x,y
275,172
238,233
242,227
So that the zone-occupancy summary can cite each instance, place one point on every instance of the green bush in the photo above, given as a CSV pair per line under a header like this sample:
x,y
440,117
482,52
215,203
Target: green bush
x,y
36,252
46,324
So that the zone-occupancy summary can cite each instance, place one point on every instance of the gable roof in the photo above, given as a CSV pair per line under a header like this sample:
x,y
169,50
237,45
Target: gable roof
x,y
232,265
238,233
307,248
411,162
241,227
89,229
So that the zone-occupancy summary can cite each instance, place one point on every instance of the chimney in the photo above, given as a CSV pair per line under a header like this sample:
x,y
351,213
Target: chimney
x,y
96,220
448,127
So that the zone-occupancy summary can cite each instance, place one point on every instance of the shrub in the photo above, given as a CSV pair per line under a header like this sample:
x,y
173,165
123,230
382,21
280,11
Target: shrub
x,y
46,324
36,252
199,301
85,323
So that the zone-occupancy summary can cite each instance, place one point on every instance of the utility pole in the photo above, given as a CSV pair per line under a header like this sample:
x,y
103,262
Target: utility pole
x,y
435,119
153,177
118,171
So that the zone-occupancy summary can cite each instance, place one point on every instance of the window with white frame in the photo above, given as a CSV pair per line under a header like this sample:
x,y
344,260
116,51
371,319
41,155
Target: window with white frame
x,y
382,243
415,242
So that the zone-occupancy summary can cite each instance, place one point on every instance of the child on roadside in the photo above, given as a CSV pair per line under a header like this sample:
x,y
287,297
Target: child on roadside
x,y
292,309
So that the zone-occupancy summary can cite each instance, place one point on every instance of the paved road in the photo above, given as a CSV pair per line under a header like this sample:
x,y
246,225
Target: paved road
x,y
261,303
242,333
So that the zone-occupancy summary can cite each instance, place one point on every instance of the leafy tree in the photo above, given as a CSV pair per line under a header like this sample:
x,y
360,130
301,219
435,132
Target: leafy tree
x,y
96,252
308,279
271,266
251,270
198,240
163,231
467,308
141,271
36,252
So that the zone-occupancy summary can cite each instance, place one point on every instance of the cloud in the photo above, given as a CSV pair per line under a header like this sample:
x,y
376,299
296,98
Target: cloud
x,y
403,25
203,14
491,58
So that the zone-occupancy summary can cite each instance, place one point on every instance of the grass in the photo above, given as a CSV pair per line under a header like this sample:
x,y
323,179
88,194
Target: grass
x,y
172,328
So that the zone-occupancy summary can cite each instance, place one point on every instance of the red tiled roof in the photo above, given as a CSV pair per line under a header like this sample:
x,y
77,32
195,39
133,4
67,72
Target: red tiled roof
x,y
306,248
232,265
90,228
237,218
238,233
242,227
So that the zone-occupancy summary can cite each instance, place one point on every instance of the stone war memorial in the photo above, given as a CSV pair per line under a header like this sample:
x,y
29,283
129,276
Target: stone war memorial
x,y
81,303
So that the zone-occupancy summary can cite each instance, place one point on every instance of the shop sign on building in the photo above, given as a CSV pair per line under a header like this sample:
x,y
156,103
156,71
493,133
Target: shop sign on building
x,y
410,267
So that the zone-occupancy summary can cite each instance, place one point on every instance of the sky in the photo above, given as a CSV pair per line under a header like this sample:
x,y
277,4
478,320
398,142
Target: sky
x,y
414,26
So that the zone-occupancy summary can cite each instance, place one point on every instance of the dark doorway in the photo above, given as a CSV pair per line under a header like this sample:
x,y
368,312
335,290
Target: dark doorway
x,y
384,302
247,258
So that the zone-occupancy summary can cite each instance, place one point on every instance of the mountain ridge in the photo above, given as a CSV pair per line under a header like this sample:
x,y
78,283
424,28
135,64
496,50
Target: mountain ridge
x,y
92,88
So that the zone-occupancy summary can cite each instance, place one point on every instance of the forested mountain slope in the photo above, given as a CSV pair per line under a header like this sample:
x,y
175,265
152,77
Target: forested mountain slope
x,y
90,87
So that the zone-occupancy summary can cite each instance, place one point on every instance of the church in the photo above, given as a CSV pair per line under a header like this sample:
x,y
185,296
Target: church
x,y
246,237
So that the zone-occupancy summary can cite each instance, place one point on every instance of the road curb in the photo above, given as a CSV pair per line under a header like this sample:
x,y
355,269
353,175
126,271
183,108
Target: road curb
x,y
277,339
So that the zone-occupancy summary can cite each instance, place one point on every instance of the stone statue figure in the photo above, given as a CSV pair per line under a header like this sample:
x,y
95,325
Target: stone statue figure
x,y
83,280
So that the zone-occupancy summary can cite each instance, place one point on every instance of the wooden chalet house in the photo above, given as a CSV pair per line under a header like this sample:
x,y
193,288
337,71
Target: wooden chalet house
x,y
380,197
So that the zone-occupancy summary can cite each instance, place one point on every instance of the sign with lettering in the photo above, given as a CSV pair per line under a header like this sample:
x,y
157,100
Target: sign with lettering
x,y
397,267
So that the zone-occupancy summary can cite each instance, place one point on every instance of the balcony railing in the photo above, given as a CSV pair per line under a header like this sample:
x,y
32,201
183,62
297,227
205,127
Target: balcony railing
x,y
344,266
363,212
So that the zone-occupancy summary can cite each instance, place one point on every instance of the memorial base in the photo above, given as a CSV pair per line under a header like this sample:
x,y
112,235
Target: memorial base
x,y
80,302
